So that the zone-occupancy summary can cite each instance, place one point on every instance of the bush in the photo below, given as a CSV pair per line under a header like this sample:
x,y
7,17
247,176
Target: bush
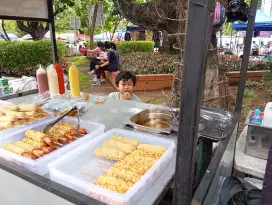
x,y
148,63
134,46
19,58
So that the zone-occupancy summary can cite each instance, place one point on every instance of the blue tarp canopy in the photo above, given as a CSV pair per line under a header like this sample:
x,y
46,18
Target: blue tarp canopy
x,y
262,23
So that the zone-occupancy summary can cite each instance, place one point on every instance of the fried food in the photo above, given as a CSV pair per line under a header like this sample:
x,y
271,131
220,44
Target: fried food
x,y
38,136
5,125
37,144
125,174
126,140
127,148
110,153
113,183
10,107
17,150
30,148
156,149
145,154
15,114
8,118
28,107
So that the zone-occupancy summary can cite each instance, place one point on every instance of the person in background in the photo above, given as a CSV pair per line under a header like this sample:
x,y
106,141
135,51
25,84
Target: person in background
x,y
100,56
113,46
111,64
125,82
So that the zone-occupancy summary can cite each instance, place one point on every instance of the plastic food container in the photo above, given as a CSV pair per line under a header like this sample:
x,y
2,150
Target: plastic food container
x,y
66,169
40,165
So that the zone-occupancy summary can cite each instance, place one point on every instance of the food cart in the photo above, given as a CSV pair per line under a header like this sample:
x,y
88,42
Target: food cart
x,y
21,186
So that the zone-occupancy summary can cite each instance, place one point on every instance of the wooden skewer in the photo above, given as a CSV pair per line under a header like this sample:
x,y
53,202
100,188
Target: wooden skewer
x,y
88,174
103,169
105,162
58,143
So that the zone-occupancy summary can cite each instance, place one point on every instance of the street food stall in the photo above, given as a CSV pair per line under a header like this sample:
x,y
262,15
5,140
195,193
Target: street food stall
x,y
111,151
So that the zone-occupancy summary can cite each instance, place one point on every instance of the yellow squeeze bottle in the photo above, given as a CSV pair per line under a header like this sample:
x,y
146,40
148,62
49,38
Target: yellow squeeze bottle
x,y
74,81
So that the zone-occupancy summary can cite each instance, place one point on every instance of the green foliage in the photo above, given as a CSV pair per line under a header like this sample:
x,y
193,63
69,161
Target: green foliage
x,y
249,93
84,80
227,29
253,84
267,78
11,27
19,58
134,46
79,60
148,63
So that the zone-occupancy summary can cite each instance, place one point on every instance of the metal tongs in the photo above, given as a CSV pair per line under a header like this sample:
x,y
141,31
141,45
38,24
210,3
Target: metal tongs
x,y
50,125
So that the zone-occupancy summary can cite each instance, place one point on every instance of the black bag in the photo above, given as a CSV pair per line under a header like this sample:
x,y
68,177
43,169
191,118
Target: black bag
x,y
238,11
237,191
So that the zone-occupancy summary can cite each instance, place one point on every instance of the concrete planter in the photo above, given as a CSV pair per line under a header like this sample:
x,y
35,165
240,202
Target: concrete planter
x,y
147,82
234,76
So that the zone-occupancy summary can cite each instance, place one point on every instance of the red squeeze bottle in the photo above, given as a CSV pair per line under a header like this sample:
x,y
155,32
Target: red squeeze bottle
x,y
60,78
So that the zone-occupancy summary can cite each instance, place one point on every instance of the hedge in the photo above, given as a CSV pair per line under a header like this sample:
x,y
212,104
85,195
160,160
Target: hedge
x,y
134,46
19,58
148,63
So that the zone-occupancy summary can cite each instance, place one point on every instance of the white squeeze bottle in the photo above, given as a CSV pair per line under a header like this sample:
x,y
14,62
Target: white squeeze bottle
x,y
267,120
52,80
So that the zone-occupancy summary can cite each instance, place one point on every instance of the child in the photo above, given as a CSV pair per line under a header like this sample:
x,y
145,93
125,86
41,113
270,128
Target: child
x,y
125,81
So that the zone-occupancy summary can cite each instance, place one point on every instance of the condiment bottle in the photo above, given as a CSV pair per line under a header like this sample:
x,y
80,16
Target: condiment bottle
x,y
42,80
74,81
52,80
60,78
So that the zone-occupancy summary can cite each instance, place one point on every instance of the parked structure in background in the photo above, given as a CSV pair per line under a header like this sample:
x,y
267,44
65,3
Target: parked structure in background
x,y
266,7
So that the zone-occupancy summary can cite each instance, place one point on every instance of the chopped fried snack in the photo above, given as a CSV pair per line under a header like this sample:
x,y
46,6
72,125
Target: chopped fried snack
x,y
145,154
125,174
100,101
37,144
5,125
17,150
113,183
10,107
127,148
126,140
85,96
156,149
15,114
8,119
110,153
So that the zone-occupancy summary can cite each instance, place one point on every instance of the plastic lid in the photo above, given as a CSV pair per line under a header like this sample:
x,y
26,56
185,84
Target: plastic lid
x,y
257,111
40,69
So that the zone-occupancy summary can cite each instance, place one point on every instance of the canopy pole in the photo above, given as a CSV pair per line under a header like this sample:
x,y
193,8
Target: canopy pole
x,y
245,59
198,38
52,31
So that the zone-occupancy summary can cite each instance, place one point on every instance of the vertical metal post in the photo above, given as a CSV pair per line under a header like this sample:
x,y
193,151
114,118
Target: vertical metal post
x,y
246,53
52,31
198,38
221,38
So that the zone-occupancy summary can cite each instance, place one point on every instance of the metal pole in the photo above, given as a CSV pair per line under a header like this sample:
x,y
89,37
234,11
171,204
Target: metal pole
x,y
52,31
198,38
245,59
221,38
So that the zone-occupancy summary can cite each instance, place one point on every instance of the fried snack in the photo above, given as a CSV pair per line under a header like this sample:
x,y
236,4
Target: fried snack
x,y
145,154
30,114
126,140
15,114
113,183
127,148
28,107
35,135
125,174
14,148
37,144
156,149
110,153
10,107
30,148
6,125
100,101
85,96
2,114
8,119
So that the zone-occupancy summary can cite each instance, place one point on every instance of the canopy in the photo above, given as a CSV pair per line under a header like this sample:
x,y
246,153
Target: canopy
x,y
262,23
11,36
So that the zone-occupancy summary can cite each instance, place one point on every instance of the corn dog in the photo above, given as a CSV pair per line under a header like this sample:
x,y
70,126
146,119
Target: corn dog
x,y
28,107
127,148
156,149
38,136
8,118
34,143
15,114
125,174
110,153
30,148
6,124
10,107
126,140
30,114
17,150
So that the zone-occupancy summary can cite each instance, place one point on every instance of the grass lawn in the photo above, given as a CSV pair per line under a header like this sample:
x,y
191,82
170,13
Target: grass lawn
x,y
84,80
79,60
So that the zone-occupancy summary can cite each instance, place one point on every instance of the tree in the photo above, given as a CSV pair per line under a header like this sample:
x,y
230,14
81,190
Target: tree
x,y
38,29
158,15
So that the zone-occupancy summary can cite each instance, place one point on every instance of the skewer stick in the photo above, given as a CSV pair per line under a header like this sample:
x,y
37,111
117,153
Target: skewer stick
x,y
105,162
103,169
58,143
88,174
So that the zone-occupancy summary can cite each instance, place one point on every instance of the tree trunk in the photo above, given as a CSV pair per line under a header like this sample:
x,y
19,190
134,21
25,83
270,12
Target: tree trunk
x,y
92,27
118,20
4,30
36,29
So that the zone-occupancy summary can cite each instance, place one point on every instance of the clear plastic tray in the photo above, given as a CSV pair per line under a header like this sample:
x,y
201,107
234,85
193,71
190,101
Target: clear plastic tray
x,y
66,169
40,166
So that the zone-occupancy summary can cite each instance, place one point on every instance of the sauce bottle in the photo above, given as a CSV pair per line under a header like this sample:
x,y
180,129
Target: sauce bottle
x,y
42,80
74,81
60,78
52,80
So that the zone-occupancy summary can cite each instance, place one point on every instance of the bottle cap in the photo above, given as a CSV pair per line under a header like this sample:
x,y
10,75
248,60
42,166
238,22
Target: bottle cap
x,y
257,111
